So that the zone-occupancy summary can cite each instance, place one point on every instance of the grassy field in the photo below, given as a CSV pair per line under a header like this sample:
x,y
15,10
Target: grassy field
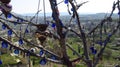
x,y
108,60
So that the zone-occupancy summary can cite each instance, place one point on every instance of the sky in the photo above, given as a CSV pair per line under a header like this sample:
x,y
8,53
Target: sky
x,y
31,6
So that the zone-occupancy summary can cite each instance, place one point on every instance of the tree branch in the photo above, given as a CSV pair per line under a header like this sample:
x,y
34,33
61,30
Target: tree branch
x,y
27,51
81,31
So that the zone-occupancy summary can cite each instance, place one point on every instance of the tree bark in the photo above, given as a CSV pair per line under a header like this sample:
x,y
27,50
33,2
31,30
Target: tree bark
x,y
65,57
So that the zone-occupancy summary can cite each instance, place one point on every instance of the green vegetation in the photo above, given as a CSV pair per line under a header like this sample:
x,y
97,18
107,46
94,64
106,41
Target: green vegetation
x,y
7,59
108,56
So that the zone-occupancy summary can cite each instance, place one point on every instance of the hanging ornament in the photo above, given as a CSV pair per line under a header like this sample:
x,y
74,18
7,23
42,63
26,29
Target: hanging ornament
x,y
119,13
53,57
92,48
4,26
27,54
66,1
94,51
9,32
19,20
41,52
32,50
0,62
9,15
4,44
100,43
109,35
26,31
53,25
20,41
43,61
15,23
16,51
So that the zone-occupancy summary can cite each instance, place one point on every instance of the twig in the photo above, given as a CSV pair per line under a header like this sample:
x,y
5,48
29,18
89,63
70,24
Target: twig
x,y
81,31
105,44
103,21
74,50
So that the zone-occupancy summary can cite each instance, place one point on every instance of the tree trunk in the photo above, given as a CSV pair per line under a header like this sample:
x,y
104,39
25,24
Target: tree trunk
x,y
89,64
65,57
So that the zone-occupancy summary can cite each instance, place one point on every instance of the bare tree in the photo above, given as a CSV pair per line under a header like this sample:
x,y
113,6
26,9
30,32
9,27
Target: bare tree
x,y
60,36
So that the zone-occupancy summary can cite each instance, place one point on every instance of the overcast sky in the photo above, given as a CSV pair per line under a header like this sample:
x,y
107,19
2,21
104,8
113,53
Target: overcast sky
x,y
93,6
